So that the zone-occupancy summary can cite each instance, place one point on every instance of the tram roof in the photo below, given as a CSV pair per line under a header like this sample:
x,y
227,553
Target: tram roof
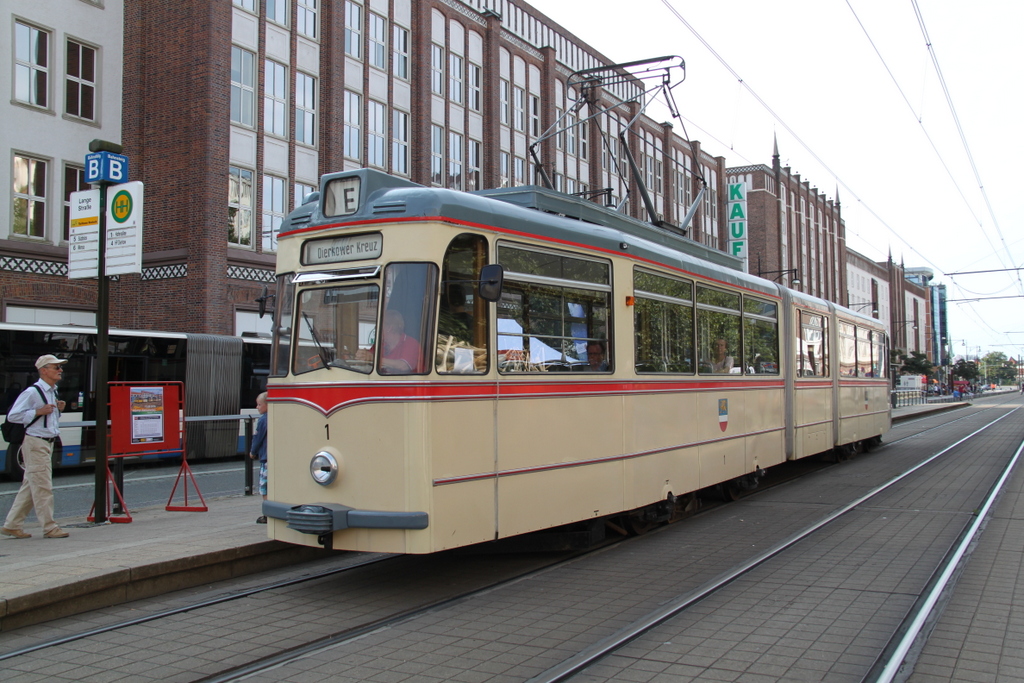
x,y
531,210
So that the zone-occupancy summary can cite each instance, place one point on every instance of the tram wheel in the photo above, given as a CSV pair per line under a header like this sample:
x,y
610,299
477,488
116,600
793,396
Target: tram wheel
x,y
731,491
638,526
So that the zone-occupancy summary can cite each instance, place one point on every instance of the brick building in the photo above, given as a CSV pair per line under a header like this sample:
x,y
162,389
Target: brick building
x,y
795,233
233,110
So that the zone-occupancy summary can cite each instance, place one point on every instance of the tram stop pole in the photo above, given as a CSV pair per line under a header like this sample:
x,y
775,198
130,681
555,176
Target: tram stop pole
x,y
99,171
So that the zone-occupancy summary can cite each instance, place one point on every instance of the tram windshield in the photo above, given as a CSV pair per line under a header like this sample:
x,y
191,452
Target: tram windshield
x,y
337,326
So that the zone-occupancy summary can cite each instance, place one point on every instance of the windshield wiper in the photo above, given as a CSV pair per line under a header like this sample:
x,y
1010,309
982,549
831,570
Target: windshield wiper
x,y
316,340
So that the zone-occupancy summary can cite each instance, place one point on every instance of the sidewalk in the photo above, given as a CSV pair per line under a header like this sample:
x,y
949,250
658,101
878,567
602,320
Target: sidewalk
x,y
158,552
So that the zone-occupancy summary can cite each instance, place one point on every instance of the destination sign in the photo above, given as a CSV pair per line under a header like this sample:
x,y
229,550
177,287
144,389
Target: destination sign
x,y
341,249
341,197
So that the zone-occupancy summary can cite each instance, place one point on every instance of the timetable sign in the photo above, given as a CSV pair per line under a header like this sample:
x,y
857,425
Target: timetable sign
x,y
84,236
124,229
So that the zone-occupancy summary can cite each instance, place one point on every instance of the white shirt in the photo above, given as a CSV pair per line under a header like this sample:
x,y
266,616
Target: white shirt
x,y
24,411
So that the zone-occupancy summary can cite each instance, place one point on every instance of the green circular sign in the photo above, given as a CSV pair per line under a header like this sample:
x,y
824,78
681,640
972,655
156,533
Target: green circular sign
x,y
121,206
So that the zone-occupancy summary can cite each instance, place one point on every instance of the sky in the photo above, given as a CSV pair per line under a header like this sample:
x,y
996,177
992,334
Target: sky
x,y
910,110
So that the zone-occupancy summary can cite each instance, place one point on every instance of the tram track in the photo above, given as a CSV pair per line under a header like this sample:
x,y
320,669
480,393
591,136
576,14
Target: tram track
x,y
382,622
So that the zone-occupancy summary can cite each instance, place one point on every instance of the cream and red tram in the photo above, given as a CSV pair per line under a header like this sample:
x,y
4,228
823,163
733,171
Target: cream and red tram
x,y
451,368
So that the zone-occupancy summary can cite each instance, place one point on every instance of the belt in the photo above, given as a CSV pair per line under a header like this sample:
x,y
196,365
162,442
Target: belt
x,y
50,439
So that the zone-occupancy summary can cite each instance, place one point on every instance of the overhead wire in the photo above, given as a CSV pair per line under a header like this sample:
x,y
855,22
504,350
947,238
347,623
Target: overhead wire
x,y
838,179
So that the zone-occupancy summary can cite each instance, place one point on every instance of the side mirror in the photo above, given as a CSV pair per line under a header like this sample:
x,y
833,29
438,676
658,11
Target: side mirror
x,y
262,300
491,278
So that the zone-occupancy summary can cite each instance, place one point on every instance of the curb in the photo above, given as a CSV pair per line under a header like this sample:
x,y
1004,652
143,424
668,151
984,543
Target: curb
x,y
939,408
126,584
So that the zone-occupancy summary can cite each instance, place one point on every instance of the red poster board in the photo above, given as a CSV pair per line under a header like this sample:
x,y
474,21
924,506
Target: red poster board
x,y
145,416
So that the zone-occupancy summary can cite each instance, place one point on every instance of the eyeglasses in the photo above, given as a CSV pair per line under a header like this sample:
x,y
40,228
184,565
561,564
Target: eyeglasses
x,y
55,367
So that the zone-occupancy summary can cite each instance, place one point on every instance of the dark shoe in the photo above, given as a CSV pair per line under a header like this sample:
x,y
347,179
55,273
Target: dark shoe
x,y
14,533
56,532
262,519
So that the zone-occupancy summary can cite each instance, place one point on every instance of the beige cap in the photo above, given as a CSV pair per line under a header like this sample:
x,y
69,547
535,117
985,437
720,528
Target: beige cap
x,y
49,359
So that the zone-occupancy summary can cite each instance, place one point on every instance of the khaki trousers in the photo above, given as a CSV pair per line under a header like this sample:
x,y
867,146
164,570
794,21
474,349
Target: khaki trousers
x,y
36,488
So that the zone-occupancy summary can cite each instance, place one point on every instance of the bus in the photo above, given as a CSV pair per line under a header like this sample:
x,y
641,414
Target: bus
x,y
222,376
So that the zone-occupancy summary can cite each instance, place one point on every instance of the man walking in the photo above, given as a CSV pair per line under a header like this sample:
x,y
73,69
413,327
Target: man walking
x,y
37,489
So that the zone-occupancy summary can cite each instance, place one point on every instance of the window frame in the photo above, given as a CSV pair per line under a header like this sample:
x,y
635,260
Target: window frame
x,y
238,206
30,200
79,81
275,99
306,95
274,208
243,88
35,70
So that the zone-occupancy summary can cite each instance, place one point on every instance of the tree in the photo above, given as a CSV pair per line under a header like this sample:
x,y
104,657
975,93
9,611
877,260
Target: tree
x,y
965,369
916,364
998,368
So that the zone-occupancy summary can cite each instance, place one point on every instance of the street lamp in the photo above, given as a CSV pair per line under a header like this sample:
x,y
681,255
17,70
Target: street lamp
x,y
874,309
794,280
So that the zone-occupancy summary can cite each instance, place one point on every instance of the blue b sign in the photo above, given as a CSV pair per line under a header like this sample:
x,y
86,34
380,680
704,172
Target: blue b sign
x,y
106,167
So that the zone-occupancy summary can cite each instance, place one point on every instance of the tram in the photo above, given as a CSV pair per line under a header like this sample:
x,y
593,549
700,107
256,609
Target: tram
x,y
222,376
450,368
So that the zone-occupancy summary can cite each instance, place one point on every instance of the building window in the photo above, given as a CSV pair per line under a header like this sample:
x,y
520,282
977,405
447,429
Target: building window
x,y
400,142
74,181
377,129
520,171
275,99
584,140
519,108
246,4
473,166
504,169
503,102
29,197
243,86
239,206
455,78
306,17
277,11
302,191
570,134
353,30
31,64
436,154
400,51
305,109
353,112
378,41
560,137
437,69
80,82
455,161
273,210
534,116
476,77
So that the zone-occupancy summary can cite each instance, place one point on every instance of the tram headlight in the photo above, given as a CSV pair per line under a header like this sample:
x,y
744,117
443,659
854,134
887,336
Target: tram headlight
x,y
323,468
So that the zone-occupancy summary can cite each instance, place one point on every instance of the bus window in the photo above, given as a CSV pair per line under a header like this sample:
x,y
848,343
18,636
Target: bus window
x,y
462,329
410,290
554,309
760,337
663,319
878,355
718,331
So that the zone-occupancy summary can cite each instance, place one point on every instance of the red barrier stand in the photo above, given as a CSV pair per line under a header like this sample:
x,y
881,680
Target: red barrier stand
x,y
123,517
149,417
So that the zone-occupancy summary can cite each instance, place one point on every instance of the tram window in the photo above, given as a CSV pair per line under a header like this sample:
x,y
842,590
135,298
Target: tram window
x,y
553,309
334,325
847,350
760,337
281,349
462,325
864,352
878,355
663,322
718,331
410,291
812,346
